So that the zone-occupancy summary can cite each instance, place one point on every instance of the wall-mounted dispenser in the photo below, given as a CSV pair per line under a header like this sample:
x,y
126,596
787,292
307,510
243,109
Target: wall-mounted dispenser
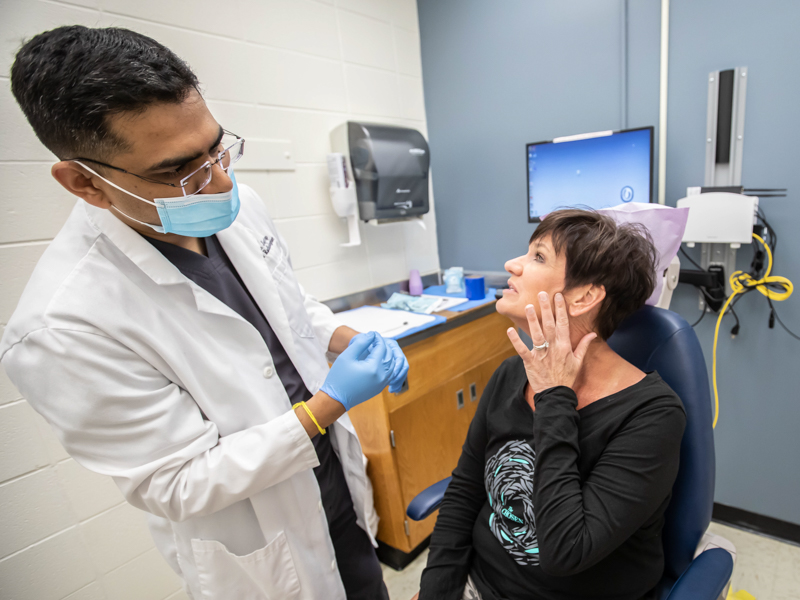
x,y
343,196
388,166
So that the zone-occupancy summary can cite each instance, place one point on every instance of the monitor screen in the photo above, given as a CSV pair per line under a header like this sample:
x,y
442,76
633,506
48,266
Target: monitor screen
x,y
595,170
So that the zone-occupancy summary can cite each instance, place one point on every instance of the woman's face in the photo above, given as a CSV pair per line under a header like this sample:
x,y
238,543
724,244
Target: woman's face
x,y
540,270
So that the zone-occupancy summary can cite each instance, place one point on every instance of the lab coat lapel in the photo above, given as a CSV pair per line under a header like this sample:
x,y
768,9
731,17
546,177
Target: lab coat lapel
x,y
242,247
152,262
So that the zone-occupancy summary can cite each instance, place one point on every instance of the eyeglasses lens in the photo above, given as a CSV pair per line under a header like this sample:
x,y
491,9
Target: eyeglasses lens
x,y
197,181
233,150
232,153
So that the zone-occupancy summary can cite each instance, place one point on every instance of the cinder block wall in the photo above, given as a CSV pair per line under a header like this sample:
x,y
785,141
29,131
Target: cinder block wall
x,y
271,69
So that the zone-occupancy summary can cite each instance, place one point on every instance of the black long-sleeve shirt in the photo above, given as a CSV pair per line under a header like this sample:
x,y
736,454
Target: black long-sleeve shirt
x,y
559,503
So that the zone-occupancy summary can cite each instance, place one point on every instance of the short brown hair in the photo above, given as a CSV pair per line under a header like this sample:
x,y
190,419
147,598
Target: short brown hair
x,y
620,257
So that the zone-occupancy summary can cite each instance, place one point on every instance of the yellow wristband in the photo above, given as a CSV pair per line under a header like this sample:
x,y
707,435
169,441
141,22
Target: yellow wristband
x,y
311,416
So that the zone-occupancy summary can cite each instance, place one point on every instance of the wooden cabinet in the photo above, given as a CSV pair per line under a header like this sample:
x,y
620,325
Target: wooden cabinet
x,y
414,439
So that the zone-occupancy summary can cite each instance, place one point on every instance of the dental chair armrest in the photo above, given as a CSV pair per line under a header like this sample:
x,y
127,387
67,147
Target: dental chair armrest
x,y
706,577
427,501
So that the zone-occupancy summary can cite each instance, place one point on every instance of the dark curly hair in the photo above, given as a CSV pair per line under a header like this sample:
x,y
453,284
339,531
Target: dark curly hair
x,y
70,80
620,257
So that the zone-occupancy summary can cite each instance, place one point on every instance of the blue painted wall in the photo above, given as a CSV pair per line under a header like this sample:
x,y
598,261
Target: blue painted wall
x,y
757,438
496,79
499,75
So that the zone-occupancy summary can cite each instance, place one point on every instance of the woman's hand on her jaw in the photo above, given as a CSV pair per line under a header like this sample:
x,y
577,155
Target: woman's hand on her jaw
x,y
557,364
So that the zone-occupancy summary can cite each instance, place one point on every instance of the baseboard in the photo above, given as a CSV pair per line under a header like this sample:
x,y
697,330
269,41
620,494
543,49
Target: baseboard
x,y
782,530
397,559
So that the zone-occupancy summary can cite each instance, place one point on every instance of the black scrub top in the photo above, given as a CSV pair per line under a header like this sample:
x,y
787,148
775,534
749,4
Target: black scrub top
x,y
216,274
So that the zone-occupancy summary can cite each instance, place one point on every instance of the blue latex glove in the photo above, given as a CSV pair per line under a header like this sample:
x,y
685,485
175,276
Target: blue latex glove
x,y
400,363
400,367
361,371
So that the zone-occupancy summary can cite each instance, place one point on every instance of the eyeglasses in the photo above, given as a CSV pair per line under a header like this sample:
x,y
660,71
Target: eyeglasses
x,y
194,182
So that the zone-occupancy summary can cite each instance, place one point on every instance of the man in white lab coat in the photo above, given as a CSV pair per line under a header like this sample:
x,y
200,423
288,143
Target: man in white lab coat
x,y
164,336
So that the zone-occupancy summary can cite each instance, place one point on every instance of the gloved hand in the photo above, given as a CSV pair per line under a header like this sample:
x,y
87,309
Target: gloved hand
x,y
361,371
400,363
400,367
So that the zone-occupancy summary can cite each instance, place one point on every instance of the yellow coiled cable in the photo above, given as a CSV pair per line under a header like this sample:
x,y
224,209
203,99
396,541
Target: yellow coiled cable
x,y
741,282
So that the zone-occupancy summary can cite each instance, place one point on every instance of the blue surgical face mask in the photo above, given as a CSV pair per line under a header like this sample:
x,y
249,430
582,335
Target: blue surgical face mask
x,y
199,215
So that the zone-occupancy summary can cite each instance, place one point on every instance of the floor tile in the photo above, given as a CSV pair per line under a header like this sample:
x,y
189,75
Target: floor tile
x,y
404,584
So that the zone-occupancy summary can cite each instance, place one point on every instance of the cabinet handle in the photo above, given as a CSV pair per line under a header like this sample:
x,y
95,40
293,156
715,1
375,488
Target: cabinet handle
x,y
460,399
473,392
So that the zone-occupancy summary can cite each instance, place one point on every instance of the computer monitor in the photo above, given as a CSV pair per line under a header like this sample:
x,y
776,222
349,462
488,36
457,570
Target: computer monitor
x,y
592,170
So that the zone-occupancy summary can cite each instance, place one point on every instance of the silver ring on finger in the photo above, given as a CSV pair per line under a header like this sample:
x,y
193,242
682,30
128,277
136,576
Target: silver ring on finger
x,y
544,346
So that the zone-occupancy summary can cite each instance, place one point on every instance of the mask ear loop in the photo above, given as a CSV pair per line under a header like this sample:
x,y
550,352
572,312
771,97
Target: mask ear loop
x,y
156,228
112,184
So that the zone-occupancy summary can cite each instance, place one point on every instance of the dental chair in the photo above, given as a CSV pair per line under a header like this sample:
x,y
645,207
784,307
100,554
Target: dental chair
x,y
661,340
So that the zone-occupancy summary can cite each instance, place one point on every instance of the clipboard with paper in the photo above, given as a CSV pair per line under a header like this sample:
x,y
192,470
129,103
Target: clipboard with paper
x,y
389,323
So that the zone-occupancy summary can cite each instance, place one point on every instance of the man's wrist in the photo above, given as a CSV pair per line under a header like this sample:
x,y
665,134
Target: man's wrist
x,y
341,339
325,409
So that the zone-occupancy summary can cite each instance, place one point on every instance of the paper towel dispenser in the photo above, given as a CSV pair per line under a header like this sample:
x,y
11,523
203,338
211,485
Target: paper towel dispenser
x,y
389,166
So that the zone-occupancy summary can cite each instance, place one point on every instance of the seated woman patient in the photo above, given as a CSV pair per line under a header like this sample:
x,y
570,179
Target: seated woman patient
x,y
568,466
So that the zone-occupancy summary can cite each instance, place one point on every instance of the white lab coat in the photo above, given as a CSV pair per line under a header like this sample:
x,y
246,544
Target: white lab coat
x,y
149,379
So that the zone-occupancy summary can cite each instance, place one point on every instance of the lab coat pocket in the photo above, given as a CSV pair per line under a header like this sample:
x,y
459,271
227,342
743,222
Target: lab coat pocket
x,y
292,299
266,574
276,261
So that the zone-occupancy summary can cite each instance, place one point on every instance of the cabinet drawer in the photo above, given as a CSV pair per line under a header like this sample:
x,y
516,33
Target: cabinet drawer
x,y
451,354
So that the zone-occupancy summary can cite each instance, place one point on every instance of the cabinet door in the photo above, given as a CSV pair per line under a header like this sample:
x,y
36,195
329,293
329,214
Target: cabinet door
x,y
477,378
429,434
